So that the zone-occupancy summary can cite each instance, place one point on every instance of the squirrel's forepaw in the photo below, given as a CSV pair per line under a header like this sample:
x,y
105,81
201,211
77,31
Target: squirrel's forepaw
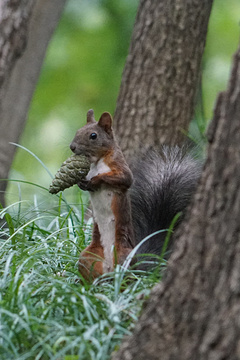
x,y
85,185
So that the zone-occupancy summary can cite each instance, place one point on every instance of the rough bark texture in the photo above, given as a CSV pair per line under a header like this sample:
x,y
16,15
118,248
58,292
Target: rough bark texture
x,y
160,78
195,312
25,29
14,20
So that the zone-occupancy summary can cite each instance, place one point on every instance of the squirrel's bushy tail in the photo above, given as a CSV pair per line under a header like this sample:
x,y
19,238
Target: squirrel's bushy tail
x,y
164,182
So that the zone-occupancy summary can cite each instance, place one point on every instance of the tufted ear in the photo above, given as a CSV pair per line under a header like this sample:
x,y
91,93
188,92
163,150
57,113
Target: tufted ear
x,y
105,122
90,117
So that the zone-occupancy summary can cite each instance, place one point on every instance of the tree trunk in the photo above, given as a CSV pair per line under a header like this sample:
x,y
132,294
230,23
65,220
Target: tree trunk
x,y
14,20
25,32
194,313
157,94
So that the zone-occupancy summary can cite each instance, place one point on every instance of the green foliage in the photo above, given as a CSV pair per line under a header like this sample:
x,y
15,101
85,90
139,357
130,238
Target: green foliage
x,y
222,43
46,311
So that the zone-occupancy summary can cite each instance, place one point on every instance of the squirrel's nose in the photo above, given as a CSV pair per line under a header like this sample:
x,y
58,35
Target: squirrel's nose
x,y
73,146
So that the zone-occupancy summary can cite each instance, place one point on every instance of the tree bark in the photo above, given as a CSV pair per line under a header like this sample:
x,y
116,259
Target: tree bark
x,y
26,28
157,94
194,313
14,20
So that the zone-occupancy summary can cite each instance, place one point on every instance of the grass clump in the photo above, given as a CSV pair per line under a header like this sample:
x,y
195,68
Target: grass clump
x,y
46,311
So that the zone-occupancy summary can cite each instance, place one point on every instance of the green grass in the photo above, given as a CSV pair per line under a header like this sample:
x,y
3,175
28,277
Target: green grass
x,y
46,310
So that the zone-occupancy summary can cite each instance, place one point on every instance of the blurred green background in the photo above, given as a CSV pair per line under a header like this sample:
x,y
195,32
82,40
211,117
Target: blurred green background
x,y
82,70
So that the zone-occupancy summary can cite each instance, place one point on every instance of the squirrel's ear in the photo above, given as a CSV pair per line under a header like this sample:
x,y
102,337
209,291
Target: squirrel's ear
x,y
90,117
105,122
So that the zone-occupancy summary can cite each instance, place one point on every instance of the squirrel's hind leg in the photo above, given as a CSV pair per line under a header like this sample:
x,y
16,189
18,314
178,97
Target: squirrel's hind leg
x,y
90,263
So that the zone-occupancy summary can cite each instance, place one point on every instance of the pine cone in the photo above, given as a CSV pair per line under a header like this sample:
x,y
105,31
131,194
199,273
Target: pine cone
x,y
71,171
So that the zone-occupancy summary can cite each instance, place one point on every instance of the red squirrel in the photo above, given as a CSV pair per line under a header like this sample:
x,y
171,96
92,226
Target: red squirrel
x,y
108,182
130,202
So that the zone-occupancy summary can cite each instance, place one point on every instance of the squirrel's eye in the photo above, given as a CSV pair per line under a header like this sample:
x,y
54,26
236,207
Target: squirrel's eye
x,y
93,136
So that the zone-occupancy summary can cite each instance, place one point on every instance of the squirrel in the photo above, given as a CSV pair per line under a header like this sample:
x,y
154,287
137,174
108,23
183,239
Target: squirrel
x,y
129,202
107,181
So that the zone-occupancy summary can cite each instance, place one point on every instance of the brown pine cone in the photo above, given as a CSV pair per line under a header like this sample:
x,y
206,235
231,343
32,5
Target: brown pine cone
x,y
71,171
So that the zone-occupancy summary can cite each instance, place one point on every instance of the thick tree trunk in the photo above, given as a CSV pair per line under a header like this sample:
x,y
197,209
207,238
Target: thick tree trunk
x,y
194,313
156,99
26,28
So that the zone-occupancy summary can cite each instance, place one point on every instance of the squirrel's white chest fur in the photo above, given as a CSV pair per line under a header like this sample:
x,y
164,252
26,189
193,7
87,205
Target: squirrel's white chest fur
x,y
102,213
97,168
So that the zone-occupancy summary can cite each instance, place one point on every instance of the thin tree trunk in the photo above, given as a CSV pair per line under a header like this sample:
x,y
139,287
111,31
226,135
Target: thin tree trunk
x,y
25,33
194,313
156,99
